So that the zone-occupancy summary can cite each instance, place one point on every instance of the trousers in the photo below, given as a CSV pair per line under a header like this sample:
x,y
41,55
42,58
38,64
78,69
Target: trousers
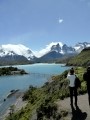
x,y
73,92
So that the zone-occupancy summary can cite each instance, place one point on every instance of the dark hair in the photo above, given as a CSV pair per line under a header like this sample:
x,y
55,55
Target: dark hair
x,y
71,71
88,68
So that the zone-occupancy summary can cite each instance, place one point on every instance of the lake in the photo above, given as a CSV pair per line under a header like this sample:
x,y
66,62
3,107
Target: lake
x,y
38,75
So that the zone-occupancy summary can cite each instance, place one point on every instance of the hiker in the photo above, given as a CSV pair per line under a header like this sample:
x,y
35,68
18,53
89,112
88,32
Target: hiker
x,y
86,77
73,90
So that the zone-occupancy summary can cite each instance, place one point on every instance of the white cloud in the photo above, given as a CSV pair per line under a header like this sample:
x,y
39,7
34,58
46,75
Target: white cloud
x,y
60,20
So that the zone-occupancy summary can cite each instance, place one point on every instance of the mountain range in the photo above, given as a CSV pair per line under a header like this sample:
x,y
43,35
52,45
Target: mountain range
x,y
21,54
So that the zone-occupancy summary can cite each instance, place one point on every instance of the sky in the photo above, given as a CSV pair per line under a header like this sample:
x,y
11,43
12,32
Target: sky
x,y
37,23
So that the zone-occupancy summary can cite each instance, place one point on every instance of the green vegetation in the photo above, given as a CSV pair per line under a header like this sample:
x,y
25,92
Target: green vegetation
x,y
11,71
83,59
41,100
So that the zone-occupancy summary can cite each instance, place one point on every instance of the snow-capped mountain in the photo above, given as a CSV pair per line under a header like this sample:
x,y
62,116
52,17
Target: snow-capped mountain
x,y
11,50
62,48
21,54
80,46
57,47
54,51
48,48
58,50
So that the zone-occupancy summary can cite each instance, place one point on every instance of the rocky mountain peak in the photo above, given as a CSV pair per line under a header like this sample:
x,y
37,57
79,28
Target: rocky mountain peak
x,y
56,48
80,46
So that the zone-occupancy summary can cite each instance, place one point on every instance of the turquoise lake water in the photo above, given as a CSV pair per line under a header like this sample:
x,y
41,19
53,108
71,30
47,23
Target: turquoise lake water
x,y
38,75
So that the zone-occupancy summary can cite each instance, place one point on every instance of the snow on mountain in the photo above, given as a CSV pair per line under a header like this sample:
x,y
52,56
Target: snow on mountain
x,y
57,47
80,46
19,49
48,48
62,48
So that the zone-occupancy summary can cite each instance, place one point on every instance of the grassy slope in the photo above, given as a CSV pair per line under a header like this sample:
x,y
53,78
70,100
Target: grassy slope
x,y
58,89
83,59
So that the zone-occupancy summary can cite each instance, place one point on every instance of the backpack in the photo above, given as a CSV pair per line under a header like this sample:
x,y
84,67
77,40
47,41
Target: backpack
x,y
77,82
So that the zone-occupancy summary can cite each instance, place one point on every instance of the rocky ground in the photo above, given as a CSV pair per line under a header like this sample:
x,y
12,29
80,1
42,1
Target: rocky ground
x,y
81,113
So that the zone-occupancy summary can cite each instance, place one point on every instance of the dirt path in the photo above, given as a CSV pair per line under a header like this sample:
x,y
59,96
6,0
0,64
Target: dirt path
x,y
81,113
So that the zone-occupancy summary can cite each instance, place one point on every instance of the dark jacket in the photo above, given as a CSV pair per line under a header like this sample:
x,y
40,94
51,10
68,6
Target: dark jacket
x,y
86,77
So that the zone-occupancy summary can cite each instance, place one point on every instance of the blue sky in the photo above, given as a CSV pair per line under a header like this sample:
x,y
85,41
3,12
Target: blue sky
x,y
36,23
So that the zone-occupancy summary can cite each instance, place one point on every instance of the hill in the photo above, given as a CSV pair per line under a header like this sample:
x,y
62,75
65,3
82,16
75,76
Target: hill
x,y
41,100
82,59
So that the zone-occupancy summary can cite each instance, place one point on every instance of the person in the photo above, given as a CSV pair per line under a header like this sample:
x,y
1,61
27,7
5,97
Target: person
x,y
86,77
73,90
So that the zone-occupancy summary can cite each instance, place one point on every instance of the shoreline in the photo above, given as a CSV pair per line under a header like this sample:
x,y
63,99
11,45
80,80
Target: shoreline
x,y
18,105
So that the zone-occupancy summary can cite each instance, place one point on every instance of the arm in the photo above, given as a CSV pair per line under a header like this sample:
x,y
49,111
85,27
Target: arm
x,y
68,79
68,76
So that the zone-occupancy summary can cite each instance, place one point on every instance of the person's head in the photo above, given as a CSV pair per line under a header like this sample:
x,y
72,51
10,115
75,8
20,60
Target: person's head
x,y
88,69
71,71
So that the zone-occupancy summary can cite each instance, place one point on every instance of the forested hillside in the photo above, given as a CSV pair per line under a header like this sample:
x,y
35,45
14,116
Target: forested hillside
x,y
82,59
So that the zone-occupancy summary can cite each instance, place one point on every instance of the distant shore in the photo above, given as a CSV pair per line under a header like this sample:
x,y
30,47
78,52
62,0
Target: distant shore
x,y
11,71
